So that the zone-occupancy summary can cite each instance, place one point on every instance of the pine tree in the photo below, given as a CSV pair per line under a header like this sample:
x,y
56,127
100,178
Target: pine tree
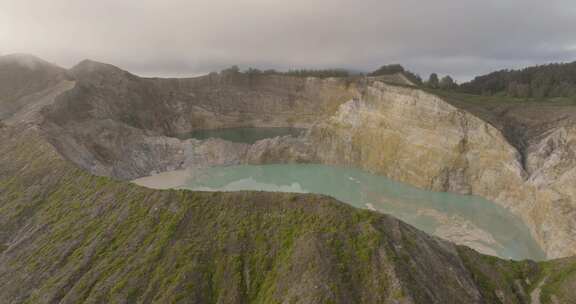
x,y
447,83
433,81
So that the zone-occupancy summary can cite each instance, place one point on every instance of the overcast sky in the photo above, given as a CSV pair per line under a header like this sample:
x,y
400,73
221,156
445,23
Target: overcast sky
x,y
189,37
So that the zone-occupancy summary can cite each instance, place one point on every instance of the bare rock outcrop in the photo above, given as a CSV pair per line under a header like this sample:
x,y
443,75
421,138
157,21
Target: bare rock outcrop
x,y
416,137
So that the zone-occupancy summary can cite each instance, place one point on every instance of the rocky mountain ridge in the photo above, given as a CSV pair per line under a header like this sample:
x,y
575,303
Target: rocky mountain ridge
x,y
28,83
114,123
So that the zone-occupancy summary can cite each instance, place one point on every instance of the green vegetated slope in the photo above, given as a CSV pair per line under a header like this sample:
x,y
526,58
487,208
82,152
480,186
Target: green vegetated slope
x,y
542,81
70,237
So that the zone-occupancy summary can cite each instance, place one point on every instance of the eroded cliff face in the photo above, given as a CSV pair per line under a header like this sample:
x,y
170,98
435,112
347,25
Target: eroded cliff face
x,y
116,124
217,100
410,135
111,149
416,137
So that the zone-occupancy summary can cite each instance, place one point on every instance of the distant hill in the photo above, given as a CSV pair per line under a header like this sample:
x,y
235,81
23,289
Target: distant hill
x,y
543,81
402,75
25,77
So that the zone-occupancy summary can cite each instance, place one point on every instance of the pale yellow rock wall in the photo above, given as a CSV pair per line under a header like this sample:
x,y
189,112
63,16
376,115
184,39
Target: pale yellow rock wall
x,y
416,137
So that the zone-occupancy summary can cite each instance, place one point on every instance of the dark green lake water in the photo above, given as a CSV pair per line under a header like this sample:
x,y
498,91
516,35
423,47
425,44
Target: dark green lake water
x,y
242,135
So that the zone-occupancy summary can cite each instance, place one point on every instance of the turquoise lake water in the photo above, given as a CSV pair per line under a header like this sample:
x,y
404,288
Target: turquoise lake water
x,y
467,220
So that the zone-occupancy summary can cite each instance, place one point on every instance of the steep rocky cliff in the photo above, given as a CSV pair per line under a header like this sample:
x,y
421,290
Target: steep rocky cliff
x,y
419,138
179,106
117,124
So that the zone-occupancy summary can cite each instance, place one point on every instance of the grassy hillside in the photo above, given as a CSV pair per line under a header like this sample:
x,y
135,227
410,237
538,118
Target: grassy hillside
x,y
502,99
69,237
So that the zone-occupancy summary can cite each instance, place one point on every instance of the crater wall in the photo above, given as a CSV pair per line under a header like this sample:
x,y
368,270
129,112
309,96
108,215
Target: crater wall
x,y
116,124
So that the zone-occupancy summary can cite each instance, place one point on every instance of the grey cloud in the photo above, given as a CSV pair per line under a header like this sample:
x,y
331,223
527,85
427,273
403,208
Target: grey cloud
x,y
178,37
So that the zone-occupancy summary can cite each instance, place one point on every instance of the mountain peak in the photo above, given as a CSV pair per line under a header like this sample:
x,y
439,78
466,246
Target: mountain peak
x,y
88,65
89,69
25,60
